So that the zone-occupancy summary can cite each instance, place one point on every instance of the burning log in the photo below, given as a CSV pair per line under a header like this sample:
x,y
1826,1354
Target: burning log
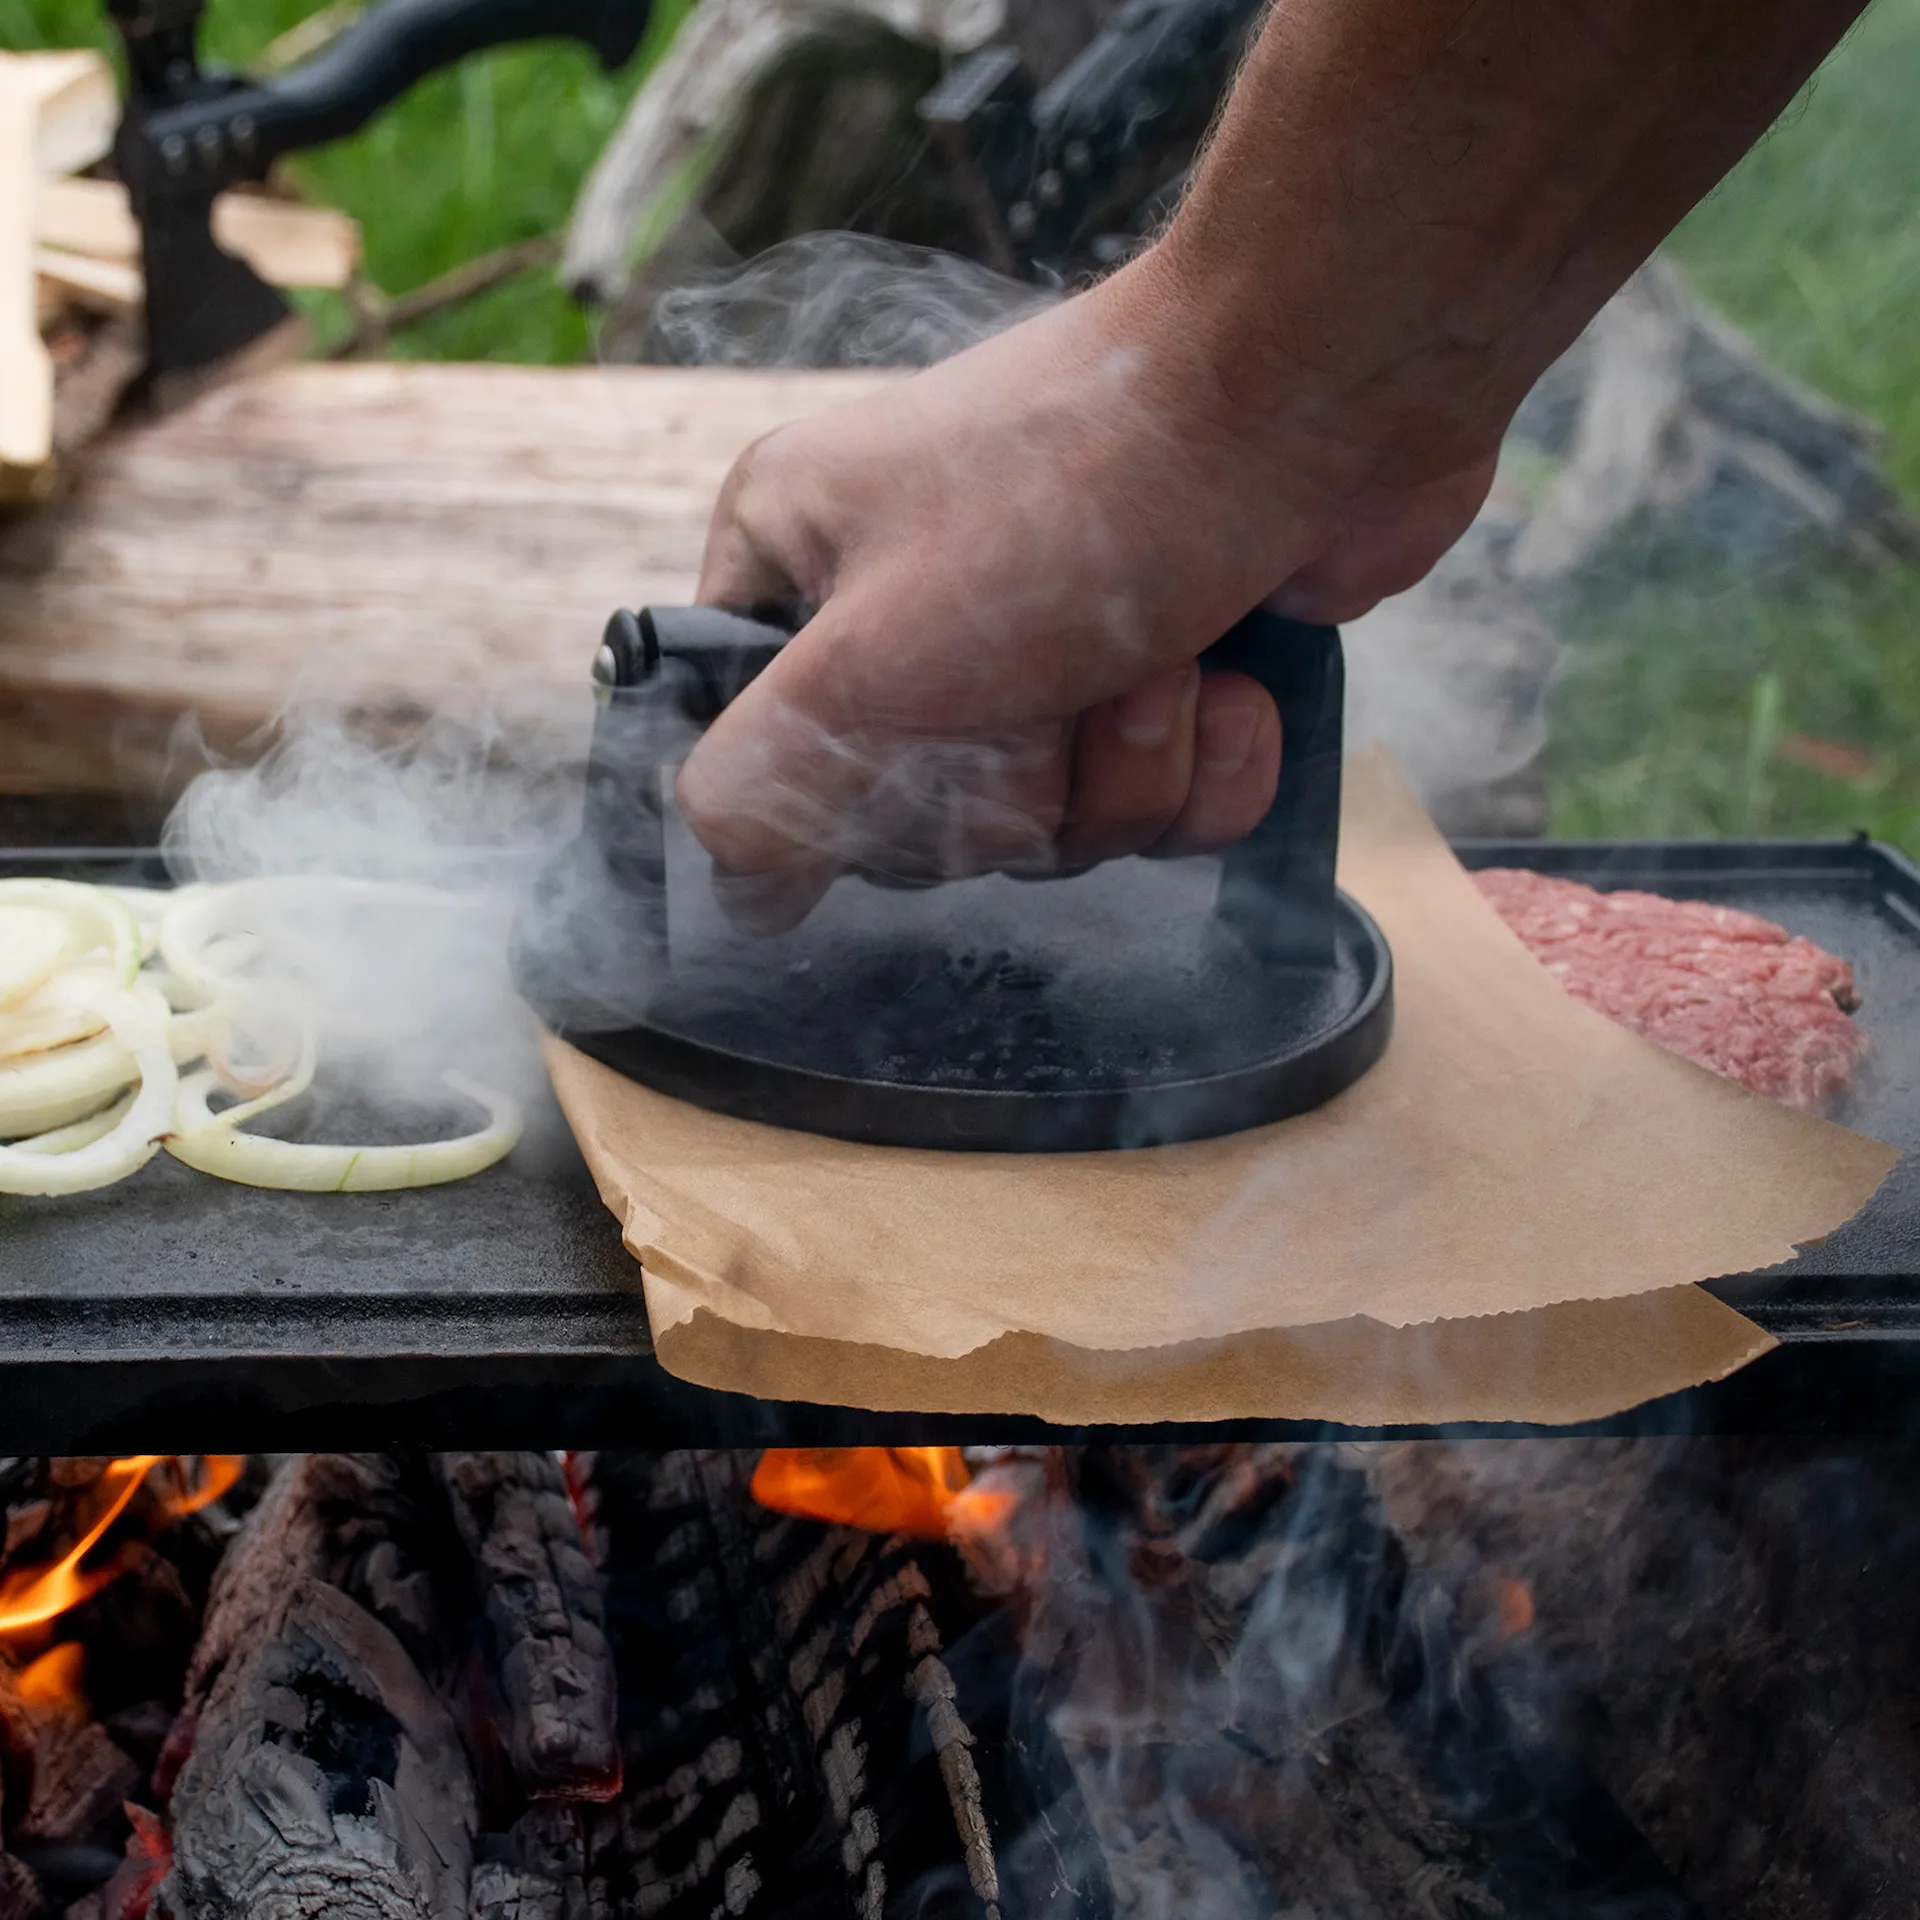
x,y
827,1722
545,1616
336,1676
325,1778
321,1775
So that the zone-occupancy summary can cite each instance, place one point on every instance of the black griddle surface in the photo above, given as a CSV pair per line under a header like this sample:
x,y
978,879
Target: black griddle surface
x,y
178,1312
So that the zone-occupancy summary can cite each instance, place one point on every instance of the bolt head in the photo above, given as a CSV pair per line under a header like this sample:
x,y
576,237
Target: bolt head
x,y
1022,220
1050,189
1077,158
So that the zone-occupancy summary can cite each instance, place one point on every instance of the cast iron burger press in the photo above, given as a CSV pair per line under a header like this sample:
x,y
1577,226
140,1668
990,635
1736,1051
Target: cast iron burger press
x,y
1145,1002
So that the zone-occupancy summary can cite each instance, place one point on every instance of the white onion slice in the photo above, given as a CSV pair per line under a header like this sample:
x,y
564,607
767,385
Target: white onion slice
x,y
135,1137
80,1133
213,1143
95,919
52,1089
34,941
30,1028
48,1090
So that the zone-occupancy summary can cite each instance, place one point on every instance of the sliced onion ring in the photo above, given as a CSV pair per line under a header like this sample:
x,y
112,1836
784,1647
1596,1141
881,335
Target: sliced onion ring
x,y
95,919
52,1089
34,943
30,1028
212,1143
135,1137
79,1133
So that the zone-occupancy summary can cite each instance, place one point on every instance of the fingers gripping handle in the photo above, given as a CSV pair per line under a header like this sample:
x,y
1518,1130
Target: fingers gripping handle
x,y
665,668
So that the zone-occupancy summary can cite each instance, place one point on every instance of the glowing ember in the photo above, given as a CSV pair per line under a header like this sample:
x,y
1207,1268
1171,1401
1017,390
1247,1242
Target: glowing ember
x,y
29,1597
924,1491
1513,1604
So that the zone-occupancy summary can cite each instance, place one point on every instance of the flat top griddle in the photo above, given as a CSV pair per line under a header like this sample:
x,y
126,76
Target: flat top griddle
x,y
179,1312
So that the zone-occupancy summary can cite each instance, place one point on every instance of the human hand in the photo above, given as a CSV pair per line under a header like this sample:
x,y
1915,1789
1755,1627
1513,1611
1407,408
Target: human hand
x,y
1016,558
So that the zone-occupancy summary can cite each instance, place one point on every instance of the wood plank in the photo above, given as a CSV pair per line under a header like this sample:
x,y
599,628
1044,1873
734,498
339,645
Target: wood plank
x,y
26,373
404,533
79,106
111,287
286,243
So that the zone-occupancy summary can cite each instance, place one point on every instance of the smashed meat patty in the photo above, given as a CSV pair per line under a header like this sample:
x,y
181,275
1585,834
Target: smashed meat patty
x,y
1722,988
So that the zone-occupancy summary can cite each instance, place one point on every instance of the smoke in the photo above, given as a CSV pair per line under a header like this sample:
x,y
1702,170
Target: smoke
x,y
450,816
837,300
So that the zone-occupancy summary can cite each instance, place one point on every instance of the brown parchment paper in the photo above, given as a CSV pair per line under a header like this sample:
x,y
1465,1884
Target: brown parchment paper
x,y
1501,1221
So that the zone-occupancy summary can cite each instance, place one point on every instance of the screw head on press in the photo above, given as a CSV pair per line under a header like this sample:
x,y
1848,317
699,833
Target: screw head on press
x,y
628,656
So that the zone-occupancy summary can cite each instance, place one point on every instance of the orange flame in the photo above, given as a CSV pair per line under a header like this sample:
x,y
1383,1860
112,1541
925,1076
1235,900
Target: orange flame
x,y
54,1678
924,1491
31,1597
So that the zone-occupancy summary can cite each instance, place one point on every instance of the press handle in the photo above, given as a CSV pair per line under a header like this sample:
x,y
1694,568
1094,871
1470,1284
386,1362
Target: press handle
x,y
664,668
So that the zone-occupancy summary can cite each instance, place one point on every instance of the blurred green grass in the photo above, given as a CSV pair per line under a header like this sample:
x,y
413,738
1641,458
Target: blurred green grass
x,y
1694,694
1694,691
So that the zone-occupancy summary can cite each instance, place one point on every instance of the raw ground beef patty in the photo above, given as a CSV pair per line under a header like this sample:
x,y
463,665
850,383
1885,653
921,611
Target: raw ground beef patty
x,y
1722,988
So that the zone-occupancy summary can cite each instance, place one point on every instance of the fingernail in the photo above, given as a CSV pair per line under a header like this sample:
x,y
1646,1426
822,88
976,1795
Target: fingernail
x,y
1144,718
1225,738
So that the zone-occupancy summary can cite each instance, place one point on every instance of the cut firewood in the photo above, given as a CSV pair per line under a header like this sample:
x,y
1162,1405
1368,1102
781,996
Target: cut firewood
x,y
546,1616
285,243
110,287
86,393
26,373
76,106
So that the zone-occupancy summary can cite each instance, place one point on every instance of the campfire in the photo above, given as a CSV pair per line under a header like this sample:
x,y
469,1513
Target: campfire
x,y
1567,1679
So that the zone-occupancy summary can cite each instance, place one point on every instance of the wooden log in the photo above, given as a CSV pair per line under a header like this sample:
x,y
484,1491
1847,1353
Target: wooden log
x,y
546,1620
77,105
286,243
26,372
112,287
323,1778
413,531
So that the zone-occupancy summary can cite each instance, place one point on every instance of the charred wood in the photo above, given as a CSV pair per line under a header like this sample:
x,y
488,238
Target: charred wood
x,y
536,1871
545,1617
325,1779
822,1724
320,1775
81,1778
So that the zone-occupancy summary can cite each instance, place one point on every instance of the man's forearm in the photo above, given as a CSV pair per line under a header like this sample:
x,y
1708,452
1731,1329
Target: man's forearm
x,y
1410,207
